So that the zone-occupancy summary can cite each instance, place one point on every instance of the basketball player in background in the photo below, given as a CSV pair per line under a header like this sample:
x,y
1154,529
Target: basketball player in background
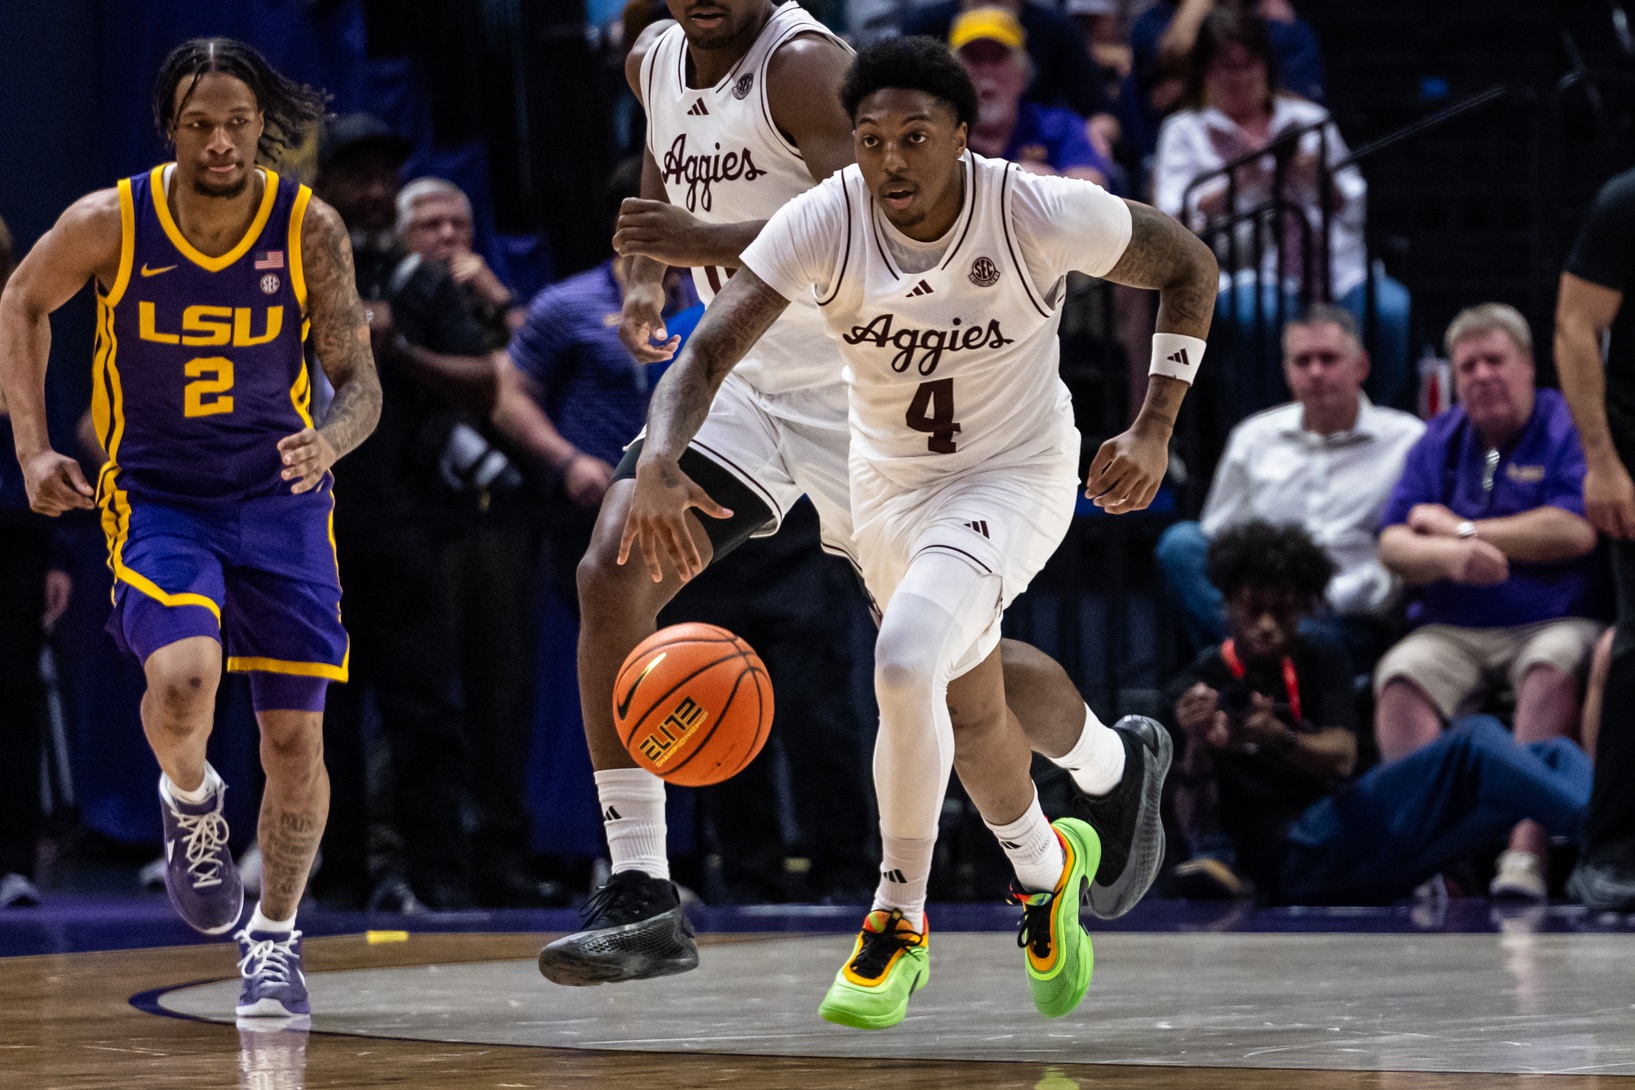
x,y
216,493
743,115
942,274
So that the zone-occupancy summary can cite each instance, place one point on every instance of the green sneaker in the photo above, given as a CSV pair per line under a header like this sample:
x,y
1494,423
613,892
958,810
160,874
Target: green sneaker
x,y
889,963
1059,957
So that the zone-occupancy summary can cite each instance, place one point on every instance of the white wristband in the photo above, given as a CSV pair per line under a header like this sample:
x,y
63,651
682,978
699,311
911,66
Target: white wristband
x,y
1176,355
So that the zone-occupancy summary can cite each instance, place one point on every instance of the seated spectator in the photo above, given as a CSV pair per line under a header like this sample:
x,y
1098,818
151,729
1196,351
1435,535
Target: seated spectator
x,y
1267,718
434,219
1232,110
1043,139
1063,73
1487,525
575,395
1327,462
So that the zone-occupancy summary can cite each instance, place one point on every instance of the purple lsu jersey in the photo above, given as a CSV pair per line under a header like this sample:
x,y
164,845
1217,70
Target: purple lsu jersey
x,y
198,371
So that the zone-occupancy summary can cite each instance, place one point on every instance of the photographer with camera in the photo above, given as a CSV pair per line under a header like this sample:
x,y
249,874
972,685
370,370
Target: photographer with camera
x,y
1268,727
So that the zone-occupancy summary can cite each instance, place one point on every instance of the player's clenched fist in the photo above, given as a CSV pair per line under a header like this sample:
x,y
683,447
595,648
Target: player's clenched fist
x,y
656,229
1127,470
658,518
55,483
307,456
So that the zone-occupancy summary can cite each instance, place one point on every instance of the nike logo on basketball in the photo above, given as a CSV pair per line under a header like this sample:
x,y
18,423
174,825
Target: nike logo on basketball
x,y
980,526
1179,357
698,109
624,705
155,272
922,288
894,876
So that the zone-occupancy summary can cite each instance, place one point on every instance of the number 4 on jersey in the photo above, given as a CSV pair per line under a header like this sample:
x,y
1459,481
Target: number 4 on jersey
x,y
938,396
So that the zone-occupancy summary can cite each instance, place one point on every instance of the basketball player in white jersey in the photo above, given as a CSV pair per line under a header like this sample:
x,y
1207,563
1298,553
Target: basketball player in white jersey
x,y
941,274
743,115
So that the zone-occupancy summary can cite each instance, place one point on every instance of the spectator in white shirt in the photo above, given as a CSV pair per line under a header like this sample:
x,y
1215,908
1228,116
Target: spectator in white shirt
x,y
1326,461
1233,110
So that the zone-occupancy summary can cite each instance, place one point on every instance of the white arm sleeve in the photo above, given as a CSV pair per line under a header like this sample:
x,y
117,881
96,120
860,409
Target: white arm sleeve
x,y
1067,225
800,246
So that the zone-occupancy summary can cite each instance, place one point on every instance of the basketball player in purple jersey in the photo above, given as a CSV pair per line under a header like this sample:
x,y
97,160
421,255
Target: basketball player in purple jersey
x,y
215,496
743,115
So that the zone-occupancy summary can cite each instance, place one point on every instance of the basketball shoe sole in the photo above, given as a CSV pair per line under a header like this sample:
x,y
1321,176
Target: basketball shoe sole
x,y
660,945
1129,820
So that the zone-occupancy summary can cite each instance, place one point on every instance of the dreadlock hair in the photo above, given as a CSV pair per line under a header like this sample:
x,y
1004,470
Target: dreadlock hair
x,y
1260,554
288,108
914,64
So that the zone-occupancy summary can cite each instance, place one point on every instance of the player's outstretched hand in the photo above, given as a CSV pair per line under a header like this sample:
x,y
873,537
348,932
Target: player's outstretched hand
x,y
55,483
658,519
1127,470
659,230
307,456
641,322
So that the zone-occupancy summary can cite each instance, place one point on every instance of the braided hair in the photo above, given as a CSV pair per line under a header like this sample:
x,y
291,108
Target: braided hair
x,y
289,108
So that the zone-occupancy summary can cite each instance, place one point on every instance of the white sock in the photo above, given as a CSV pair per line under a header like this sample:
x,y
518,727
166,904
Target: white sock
x,y
633,814
905,870
1096,761
1033,849
259,922
197,797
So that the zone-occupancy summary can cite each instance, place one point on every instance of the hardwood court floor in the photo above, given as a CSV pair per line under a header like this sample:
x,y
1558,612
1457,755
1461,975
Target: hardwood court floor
x,y
68,1021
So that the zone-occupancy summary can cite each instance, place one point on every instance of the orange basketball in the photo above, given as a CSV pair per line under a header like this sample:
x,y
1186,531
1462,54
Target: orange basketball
x,y
693,704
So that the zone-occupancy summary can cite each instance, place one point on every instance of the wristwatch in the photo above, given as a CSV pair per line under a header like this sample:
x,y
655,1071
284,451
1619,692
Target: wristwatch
x,y
1465,530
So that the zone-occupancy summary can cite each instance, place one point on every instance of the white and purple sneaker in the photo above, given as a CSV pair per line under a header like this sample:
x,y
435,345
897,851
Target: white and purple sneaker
x,y
200,876
274,985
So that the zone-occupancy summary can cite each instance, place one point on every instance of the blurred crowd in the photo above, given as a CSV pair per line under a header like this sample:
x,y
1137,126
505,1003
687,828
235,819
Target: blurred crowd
x,y
1401,626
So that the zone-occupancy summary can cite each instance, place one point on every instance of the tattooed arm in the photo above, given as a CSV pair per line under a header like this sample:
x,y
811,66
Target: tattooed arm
x,y
733,322
340,337
1162,254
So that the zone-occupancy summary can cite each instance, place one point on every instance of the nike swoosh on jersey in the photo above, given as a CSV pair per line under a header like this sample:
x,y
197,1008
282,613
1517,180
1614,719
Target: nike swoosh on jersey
x,y
624,705
155,272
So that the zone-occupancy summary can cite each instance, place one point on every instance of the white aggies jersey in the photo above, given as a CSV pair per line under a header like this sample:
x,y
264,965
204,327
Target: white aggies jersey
x,y
955,367
724,161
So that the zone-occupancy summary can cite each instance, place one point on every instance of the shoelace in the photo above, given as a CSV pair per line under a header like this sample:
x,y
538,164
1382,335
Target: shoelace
x,y
604,899
202,836
270,960
879,947
1035,929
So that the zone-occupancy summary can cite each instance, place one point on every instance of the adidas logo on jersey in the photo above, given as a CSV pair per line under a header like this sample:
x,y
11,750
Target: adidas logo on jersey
x,y
922,288
701,171
1179,357
610,814
894,876
980,526
929,344
698,109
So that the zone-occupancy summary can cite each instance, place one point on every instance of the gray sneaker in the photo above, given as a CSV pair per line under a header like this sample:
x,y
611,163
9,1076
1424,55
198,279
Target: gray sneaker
x,y
635,928
1128,820
1603,886
200,877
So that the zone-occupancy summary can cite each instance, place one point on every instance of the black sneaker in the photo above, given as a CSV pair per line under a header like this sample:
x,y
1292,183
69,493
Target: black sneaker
x,y
635,928
1127,819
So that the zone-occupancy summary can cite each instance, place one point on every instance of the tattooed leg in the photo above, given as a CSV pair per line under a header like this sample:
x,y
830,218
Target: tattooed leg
x,y
294,806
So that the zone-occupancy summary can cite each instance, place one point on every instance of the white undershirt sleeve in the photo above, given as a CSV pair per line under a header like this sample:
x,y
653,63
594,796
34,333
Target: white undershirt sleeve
x,y
800,246
1067,225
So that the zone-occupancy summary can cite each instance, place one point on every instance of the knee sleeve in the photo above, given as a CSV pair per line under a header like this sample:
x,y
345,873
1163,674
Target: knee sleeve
x,y
936,621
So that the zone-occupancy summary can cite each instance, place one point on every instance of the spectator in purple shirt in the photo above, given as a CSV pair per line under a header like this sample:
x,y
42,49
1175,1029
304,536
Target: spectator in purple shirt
x,y
1487,524
992,45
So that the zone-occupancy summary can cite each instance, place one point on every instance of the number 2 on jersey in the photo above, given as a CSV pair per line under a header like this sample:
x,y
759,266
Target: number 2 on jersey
x,y
220,370
939,424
